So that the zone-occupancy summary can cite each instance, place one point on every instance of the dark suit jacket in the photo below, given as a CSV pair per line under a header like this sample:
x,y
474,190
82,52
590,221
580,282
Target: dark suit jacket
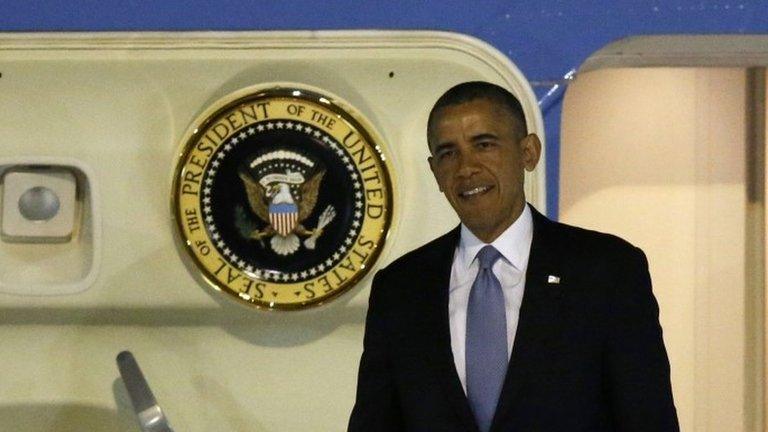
x,y
588,354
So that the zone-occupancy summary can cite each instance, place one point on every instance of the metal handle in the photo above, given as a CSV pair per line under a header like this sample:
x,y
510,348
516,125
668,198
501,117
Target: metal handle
x,y
150,415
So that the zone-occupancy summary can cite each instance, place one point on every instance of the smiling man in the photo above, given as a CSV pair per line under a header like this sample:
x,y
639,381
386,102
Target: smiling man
x,y
510,322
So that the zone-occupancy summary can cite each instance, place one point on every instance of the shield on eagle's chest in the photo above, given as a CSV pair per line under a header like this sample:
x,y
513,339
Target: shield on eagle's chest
x,y
283,217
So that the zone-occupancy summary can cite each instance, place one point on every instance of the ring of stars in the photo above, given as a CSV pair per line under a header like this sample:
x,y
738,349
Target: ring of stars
x,y
240,262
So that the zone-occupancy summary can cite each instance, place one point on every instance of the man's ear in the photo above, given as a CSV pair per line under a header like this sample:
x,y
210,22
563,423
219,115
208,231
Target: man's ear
x,y
431,162
531,151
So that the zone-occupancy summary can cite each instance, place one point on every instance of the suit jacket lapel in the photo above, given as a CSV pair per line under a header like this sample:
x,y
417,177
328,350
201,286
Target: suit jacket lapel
x,y
539,322
437,274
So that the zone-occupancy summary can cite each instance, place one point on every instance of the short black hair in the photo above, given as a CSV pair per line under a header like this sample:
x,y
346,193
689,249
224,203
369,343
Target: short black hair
x,y
473,90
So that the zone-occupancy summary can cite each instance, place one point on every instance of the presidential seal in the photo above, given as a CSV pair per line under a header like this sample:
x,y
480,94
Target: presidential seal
x,y
282,197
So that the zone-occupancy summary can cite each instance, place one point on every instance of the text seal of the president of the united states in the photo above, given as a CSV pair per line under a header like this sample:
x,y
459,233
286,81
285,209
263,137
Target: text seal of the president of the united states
x,y
282,196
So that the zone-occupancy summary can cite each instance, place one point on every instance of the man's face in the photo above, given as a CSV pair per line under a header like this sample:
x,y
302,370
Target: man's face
x,y
478,159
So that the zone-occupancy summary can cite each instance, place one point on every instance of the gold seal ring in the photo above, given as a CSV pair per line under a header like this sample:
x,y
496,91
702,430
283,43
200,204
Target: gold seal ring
x,y
282,196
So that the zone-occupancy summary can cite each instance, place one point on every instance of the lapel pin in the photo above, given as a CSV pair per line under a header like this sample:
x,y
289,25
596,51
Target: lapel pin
x,y
553,279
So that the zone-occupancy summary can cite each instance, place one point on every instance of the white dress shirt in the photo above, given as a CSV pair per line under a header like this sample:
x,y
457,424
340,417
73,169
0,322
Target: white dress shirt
x,y
514,244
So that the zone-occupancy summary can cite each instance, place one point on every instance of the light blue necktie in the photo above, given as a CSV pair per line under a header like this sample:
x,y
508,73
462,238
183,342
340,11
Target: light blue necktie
x,y
486,344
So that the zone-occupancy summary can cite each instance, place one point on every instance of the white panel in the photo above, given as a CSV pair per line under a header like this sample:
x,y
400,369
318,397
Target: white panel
x,y
119,103
671,179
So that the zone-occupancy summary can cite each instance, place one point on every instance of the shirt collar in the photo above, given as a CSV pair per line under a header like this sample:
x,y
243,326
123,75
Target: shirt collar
x,y
514,243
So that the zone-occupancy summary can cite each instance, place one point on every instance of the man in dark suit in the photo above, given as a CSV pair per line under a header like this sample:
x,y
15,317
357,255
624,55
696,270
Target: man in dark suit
x,y
510,322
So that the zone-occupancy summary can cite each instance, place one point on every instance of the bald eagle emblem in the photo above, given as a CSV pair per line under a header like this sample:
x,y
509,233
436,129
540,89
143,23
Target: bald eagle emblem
x,y
282,188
